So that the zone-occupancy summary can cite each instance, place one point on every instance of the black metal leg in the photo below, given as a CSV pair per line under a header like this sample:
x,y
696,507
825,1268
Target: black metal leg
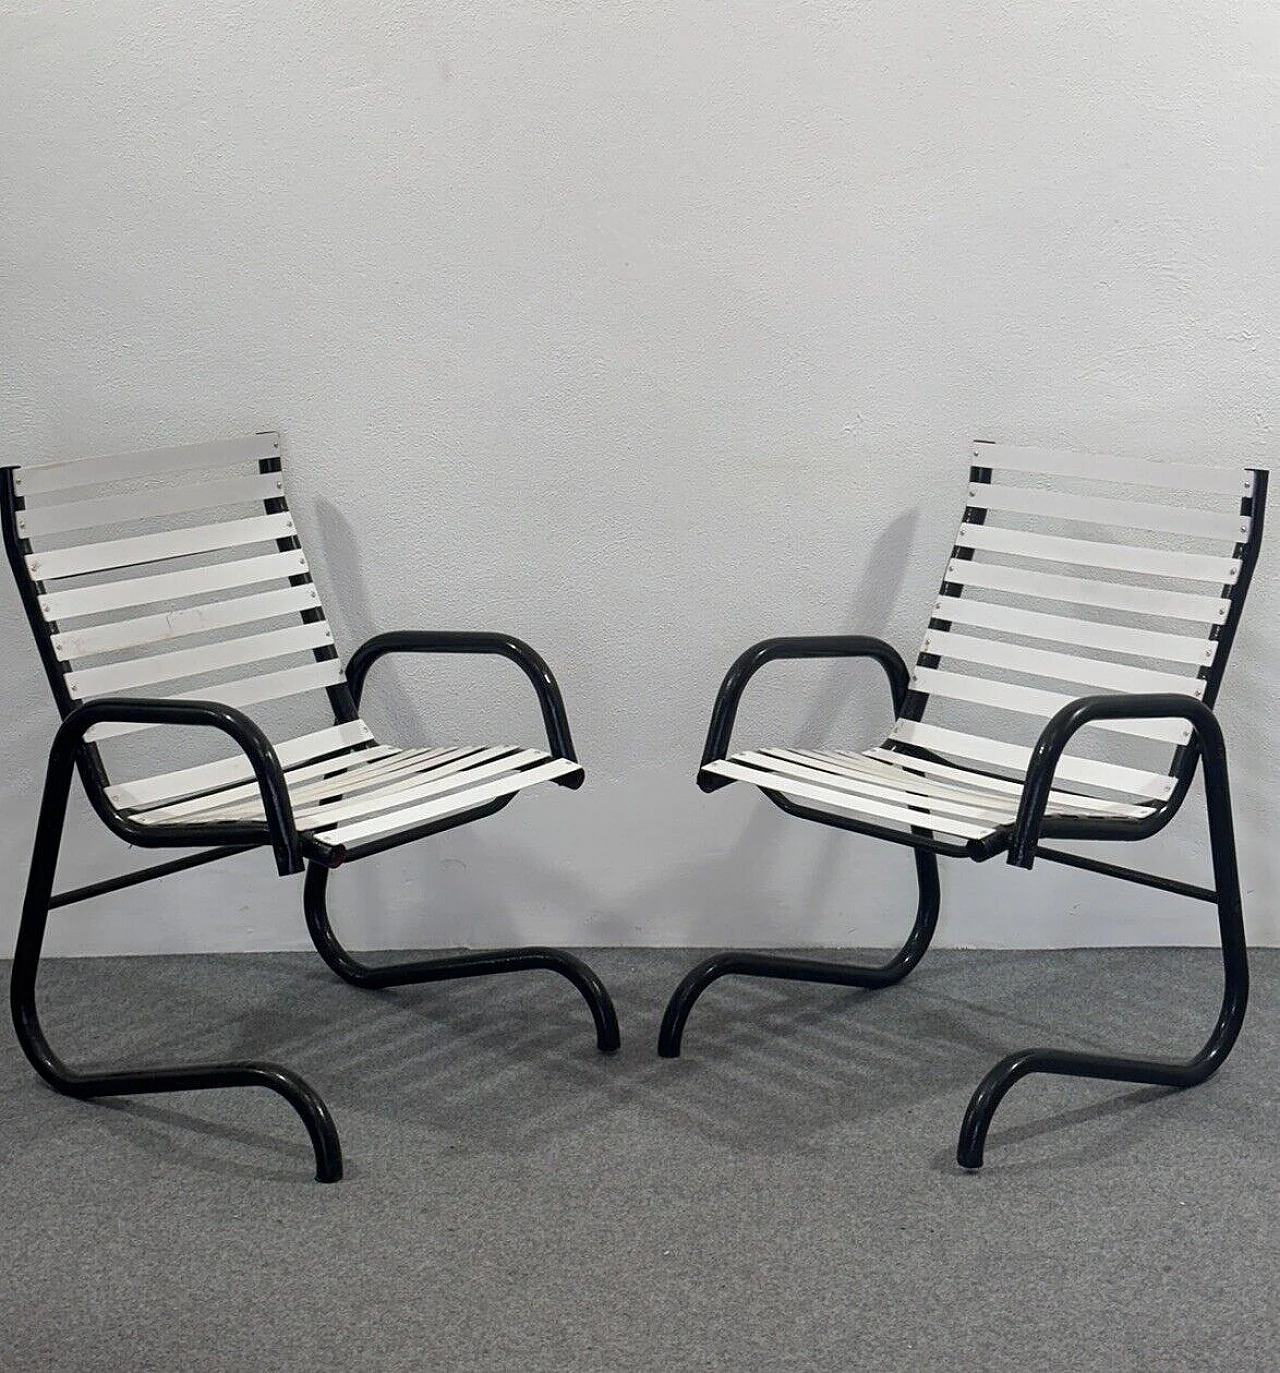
x,y
1152,1072
22,998
479,964
699,978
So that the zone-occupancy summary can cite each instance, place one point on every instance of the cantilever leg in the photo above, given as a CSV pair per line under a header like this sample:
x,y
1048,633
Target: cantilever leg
x,y
478,964
699,978
1151,1072
71,1082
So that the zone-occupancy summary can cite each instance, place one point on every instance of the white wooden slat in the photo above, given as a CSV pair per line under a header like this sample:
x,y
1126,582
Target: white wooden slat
x,y
62,476
1226,481
1197,567
458,801
340,763
1139,600
958,784
997,753
1063,667
972,809
54,564
177,500
1031,701
170,586
1035,624
146,791
1062,802
245,800
194,662
270,686
420,764
828,796
402,764
1060,505
177,624
459,777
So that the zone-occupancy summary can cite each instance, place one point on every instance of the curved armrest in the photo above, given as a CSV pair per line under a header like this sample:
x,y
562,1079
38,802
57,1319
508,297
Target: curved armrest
x,y
559,740
1054,738
211,714
725,710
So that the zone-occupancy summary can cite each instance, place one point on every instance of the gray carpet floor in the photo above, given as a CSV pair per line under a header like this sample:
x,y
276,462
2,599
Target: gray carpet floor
x,y
784,1197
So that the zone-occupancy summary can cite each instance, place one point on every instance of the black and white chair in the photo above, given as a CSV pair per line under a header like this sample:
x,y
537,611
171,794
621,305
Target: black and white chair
x,y
169,588
1120,578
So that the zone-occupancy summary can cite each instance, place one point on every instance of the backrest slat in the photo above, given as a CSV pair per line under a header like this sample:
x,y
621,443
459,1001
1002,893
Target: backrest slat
x,y
170,586
1168,476
246,691
157,462
1074,574
177,573
105,510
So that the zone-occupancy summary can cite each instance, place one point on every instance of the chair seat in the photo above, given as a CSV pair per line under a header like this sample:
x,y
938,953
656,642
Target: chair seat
x,y
883,784
363,795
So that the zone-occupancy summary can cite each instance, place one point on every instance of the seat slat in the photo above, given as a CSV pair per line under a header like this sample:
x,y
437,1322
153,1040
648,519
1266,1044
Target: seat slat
x,y
1064,667
270,686
862,805
1060,505
959,784
458,776
1034,624
993,812
1197,567
347,770
62,476
1049,586
996,753
178,500
170,586
1032,701
54,564
193,662
1226,481
177,624
163,786
402,765
437,809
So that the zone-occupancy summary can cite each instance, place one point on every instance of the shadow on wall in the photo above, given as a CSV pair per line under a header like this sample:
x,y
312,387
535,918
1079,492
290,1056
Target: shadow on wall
x,y
738,878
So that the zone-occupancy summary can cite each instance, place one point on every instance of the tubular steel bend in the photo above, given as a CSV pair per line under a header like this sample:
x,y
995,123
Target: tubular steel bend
x,y
725,710
35,914
1156,1072
554,718
699,978
478,964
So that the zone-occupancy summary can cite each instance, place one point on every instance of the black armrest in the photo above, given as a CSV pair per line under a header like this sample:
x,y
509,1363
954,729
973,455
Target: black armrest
x,y
1030,825
556,722
209,714
725,710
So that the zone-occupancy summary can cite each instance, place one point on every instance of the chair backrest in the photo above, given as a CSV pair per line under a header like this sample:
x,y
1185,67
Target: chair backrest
x,y
145,573
1073,575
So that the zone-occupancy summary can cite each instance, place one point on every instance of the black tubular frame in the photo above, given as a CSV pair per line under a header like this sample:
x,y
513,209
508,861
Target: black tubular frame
x,y
293,851
1021,841
478,963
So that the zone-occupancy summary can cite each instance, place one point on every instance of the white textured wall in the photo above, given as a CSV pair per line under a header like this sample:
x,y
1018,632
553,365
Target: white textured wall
x,y
643,330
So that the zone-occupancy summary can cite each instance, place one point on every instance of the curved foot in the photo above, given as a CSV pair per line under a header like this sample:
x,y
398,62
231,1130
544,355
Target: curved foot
x,y
719,965
479,964
1146,1072
299,1093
